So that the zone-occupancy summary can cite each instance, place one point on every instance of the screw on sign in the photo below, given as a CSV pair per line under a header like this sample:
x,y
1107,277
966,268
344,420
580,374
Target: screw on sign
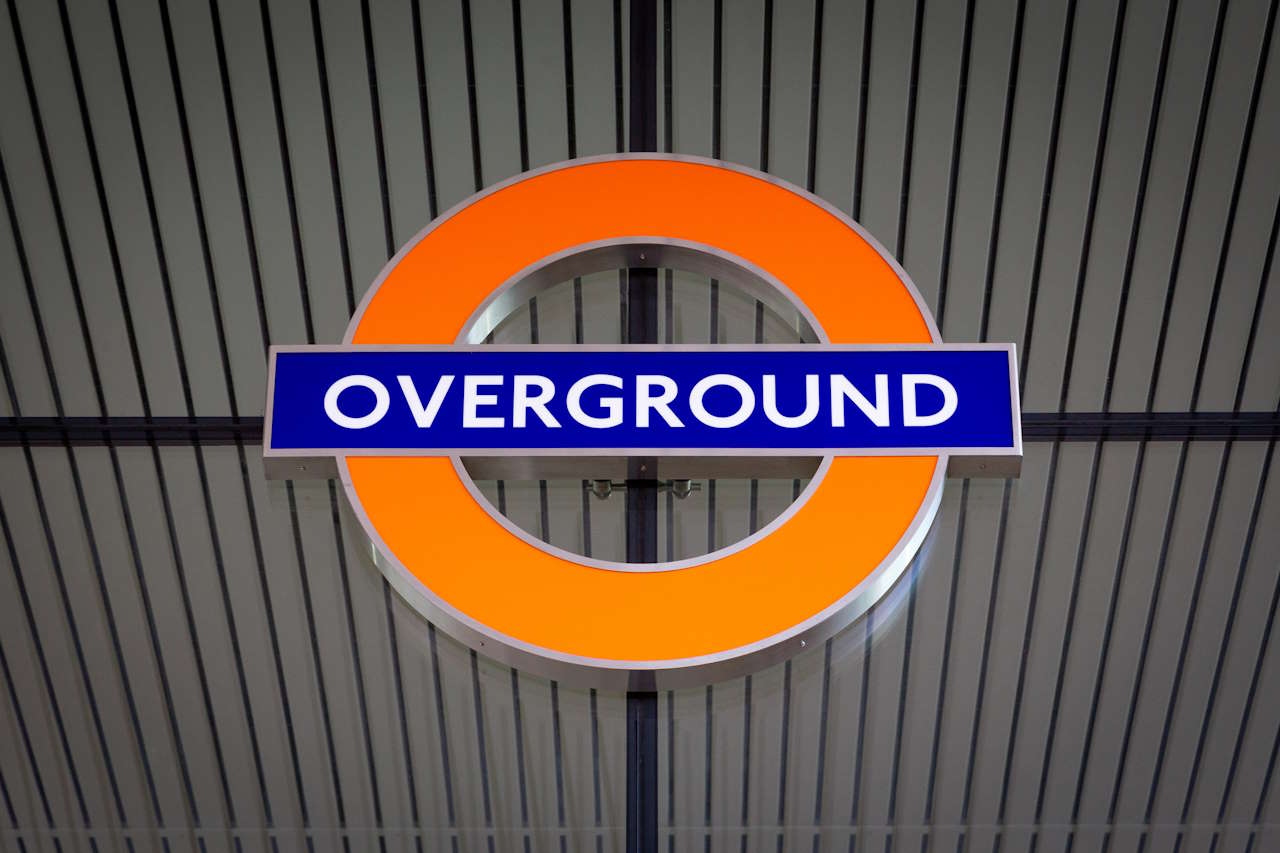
x,y
888,407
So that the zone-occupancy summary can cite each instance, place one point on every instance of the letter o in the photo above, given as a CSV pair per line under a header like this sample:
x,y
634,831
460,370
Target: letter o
x,y
705,384
382,401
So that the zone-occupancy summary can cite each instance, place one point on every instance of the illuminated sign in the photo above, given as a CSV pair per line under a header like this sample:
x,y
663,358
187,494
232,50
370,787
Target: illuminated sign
x,y
412,389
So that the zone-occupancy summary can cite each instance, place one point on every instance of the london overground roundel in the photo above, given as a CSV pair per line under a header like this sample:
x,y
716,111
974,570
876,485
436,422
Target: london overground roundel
x,y
824,562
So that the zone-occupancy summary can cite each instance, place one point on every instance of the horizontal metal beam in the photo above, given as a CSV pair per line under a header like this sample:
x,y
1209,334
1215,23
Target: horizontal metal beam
x,y
1150,426
125,431
1036,426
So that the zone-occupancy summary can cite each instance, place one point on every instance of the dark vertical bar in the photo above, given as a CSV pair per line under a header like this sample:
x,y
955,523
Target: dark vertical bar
x,y
595,769
469,56
1081,550
971,761
522,121
823,719
358,668
1099,153
717,51
521,776
782,762
559,752
713,332
1153,603
375,107
415,813
746,762
642,283
566,14
428,152
765,84
710,743
577,339
481,750
811,169
1050,169
671,763
321,686
642,487
286,165
668,122
643,126
864,86
908,145
445,765
335,172
13,815
1002,170
1027,635
1265,793
617,75
855,807
953,176
927,841
668,336
642,772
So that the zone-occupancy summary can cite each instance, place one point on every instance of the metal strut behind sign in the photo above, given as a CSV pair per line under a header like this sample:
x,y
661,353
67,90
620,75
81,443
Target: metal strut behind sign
x,y
642,485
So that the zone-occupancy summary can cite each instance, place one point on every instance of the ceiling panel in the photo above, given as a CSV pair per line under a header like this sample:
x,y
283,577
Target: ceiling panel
x,y
195,658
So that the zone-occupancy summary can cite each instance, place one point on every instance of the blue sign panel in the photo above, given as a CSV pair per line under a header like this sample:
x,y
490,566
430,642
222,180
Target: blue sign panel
x,y
680,400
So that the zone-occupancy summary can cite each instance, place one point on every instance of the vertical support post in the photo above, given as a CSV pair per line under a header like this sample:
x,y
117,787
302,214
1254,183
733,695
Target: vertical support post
x,y
642,484
642,471
642,772
642,283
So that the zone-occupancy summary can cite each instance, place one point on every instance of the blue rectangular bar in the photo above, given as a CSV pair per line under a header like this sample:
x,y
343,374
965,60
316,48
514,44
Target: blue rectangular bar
x,y
522,400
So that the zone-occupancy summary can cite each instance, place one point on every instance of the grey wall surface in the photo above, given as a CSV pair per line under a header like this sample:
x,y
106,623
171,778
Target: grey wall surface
x,y
194,658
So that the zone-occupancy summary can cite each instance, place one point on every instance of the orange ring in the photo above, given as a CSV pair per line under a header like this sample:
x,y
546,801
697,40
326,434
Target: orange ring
x,y
832,557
